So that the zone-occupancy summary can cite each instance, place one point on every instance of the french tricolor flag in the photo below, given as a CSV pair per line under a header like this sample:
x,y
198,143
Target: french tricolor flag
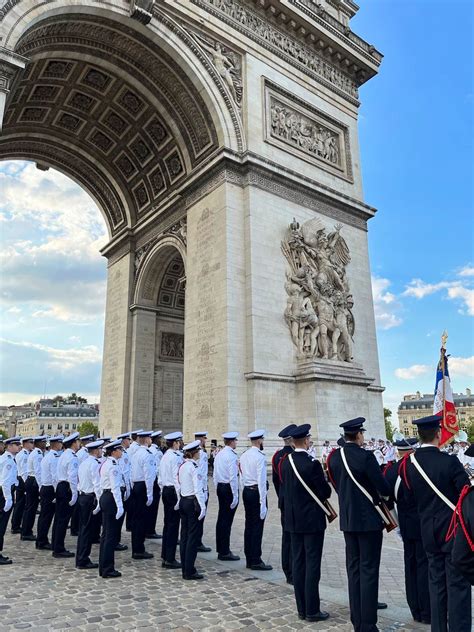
x,y
444,401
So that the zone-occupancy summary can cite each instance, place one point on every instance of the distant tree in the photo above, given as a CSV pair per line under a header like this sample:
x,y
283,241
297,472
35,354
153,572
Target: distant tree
x,y
3,434
470,430
87,428
389,429
74,397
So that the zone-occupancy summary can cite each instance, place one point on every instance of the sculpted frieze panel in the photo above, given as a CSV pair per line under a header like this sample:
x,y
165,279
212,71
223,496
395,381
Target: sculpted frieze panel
x,y
172,346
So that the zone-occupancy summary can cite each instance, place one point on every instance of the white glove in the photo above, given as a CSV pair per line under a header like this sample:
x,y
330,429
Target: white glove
x,y
96,510
234,504
263,512
119,513
176,507
73,500
206,495
8,505
127,493
202,514
149,500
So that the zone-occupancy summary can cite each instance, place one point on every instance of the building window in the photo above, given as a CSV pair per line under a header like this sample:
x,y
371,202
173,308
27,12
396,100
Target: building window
x,y
49,426
66,426
73,426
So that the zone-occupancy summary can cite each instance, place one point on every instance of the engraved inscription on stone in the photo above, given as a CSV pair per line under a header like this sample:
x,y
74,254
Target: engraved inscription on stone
x,y
168,400
172,346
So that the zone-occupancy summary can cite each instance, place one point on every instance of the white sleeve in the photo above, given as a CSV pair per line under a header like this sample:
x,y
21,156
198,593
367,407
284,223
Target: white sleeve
x,y
37,468
5,478
115,479
72,474
233,465
175,465
198,487
96,480
150,472
262,480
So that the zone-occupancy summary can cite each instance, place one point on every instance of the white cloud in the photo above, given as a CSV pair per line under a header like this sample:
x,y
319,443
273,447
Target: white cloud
x,y
455,290
62,359
412,372
461,367
465,294
386,306
420,289
467,271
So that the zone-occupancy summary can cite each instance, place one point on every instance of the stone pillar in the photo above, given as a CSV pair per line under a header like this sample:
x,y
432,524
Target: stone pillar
x,y
142,367
114,397
10,64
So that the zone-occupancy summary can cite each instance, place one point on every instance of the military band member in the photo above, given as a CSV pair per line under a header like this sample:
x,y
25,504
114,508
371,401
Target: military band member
x,y
169,484
111,505
360,521
66,493
142,475
88,502
8,481
49,481
253,468
201,435
277,461
226,481
21,460
32,487
437,480
416,562
305,520
463,545
192,508
155,449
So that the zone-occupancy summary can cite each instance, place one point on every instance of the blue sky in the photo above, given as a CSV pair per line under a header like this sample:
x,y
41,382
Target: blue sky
x,y
416,137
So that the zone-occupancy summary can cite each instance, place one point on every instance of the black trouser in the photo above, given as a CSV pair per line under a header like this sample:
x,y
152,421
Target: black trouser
x,y
152,510
416,579
4,517
253,531
189,511
46,515
96,524
109,538
286,563
61,516
450,595
306,552
19,505
201,522
225,518
363,551
75,518
170,524
126,512
85,505
31,506
139,516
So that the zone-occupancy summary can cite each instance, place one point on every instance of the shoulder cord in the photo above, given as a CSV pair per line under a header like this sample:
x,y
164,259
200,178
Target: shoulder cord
x,y
457,515
310,491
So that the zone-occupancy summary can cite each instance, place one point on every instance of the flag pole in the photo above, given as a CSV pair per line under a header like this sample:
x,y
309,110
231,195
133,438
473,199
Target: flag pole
x,y
444,337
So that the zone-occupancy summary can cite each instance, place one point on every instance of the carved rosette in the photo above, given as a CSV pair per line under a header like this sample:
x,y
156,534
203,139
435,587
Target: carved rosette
x,y
318,310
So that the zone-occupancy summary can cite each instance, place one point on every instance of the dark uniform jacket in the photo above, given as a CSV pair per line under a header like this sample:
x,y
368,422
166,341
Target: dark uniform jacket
x,y
462,554
449,476
276,471
357,513
302,512
407,510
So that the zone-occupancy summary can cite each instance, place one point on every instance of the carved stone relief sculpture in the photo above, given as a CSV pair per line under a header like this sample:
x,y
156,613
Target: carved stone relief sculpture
x,y
172,346
318,311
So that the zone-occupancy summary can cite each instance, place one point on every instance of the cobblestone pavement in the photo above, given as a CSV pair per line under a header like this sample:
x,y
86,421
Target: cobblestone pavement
x,y
44,594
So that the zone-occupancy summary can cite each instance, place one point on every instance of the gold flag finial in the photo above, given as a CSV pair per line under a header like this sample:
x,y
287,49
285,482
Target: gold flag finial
x,y
444,337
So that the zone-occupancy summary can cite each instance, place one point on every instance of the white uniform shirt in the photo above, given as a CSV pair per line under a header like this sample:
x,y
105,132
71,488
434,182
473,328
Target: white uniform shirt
x,y
168,472
67,469
143,468
82,454
34,464
125,466
204,468
49,467
191,483
157,455
8,474
22,463
88,476
253,468
111,479
226,470
133,448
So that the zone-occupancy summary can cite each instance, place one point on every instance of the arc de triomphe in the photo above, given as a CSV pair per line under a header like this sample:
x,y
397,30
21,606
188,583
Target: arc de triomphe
x,y
219,140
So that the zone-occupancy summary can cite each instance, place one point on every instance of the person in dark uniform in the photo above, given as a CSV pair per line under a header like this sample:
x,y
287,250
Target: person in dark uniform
x,y
463,546
416,562
277,460
450,592
305,520
360,521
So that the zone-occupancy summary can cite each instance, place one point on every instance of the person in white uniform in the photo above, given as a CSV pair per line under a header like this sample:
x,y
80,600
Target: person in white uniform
x,y
49,481
142,475
21,460
226,481
201,435
8,481
125,465
192,508
88,502
155,449
66,493
169,485
111,505
32,487
253,468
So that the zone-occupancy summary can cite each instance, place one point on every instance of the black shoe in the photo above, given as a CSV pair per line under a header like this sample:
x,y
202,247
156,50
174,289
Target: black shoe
x,y
173,564
88,566
230,557
75,534
301,616
153,536
319,616
381,605
204,549
64,554
195,576
5,560
142,556
16,531
44,547
28,538
261,566
112,574
289,580
121,547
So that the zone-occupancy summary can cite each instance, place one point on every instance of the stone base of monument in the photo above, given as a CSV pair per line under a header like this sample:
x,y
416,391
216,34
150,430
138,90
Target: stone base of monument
x,y
331,370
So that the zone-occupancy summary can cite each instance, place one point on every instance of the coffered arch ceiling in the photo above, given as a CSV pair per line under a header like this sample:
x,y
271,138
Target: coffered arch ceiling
x,y
106,105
